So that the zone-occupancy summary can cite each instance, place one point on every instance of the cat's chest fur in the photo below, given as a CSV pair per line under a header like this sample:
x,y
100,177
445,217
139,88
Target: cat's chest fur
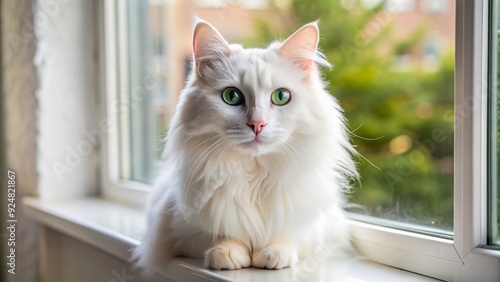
x,y
261,199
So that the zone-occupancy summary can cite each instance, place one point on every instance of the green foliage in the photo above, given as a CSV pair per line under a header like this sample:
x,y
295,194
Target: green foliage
x,y
414,182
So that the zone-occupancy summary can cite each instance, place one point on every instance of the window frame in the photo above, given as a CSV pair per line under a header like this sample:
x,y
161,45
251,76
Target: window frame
x,y
113,187
493,228
466,256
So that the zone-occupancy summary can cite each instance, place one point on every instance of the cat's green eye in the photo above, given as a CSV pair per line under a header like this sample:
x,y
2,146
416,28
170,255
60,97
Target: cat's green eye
x,y
233,96
280,96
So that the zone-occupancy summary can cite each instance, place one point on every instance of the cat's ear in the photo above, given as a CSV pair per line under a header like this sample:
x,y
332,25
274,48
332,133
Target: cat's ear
x,y
208,45
301,47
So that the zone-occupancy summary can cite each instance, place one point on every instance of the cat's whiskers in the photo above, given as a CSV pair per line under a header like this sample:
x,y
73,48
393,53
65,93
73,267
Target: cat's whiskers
x,y
205,141
295,145
347,174
217,151
198,162
288,151
202,192
219,155
284,151
222,155
356,153
200,159
214,181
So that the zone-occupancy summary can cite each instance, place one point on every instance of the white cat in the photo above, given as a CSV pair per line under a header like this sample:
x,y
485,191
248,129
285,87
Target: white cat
x,y
256,161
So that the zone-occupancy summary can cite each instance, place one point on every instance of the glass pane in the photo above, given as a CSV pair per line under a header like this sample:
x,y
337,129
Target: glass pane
x,y
143,74
394,76
494,188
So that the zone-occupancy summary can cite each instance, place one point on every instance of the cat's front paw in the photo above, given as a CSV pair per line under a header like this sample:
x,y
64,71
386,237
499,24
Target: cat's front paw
x,y
275,256
228,255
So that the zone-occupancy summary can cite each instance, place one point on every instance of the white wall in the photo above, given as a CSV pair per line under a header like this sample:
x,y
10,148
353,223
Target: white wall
x,y
66,60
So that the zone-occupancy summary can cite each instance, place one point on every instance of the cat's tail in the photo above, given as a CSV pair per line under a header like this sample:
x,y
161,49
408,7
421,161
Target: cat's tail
x,y
155,249
153,253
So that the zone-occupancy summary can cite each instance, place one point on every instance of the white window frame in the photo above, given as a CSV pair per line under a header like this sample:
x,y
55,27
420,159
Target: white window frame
x,y
464,258
113,187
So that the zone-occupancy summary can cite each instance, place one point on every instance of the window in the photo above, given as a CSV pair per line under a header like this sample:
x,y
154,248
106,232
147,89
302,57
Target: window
x,y
413,82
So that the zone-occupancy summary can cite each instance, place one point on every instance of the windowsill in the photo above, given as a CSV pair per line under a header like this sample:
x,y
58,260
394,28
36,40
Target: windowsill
x,y
116,229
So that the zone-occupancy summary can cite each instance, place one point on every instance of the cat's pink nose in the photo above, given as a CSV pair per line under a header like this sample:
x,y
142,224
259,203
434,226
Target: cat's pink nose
x,y
257,125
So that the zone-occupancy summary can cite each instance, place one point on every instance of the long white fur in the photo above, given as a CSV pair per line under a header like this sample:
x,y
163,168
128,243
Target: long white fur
x,y
216,186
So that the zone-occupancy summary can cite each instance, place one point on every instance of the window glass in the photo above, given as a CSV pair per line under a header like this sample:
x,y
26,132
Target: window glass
x,y
143,85
394,76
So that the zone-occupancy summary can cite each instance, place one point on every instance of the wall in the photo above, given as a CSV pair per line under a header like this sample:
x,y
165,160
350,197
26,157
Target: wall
x,y
49,99
66,61
19,103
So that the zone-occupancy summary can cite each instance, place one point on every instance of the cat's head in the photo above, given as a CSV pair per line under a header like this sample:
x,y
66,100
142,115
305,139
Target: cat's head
x,y
255,100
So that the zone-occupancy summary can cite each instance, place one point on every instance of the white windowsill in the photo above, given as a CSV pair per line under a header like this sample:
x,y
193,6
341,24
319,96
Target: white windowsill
x,y
116,229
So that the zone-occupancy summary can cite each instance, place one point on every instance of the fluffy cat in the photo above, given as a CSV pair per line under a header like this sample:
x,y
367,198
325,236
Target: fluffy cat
x,y
257,159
